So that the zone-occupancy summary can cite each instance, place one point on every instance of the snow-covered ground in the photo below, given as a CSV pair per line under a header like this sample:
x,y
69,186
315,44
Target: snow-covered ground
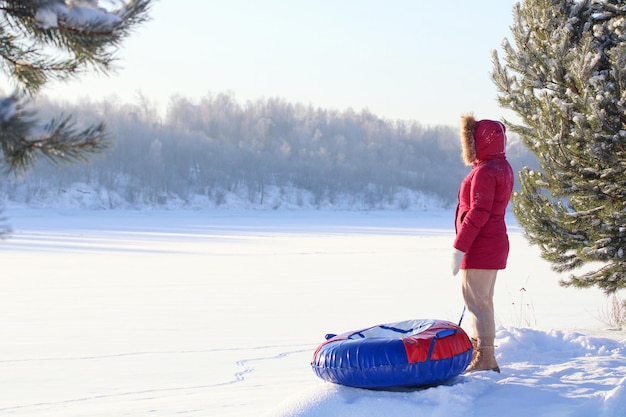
x,y
218,313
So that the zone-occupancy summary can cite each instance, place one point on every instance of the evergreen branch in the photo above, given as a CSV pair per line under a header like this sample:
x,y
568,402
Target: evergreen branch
x,y
24,140
50,40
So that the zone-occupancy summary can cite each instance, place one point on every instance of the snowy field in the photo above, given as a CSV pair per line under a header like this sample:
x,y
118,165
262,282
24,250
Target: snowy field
x,y
218,313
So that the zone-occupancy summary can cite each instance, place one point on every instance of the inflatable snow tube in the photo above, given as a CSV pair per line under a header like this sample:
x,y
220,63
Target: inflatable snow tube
x,y
404,354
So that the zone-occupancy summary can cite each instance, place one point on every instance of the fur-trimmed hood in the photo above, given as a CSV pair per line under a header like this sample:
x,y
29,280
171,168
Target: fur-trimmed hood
x,y
482,139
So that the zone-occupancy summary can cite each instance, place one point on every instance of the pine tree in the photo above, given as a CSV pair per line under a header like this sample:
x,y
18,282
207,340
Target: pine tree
x,y
566,80
56,40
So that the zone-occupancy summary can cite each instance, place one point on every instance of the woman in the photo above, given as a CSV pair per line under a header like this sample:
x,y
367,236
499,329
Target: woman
x,y
481,246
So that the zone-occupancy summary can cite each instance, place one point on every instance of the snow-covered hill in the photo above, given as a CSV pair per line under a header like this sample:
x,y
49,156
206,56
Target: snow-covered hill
x,y
85,196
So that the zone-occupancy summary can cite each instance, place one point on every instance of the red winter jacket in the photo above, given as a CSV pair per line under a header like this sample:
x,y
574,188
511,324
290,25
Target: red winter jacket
x,y
483,196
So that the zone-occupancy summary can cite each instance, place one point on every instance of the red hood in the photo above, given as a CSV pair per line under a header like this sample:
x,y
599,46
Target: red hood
x,y
482,139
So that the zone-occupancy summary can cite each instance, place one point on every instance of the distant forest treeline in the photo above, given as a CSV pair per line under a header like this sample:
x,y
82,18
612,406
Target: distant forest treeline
x,y
216,146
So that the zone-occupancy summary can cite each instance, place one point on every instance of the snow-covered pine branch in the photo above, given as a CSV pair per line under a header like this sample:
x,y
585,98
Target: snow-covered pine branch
x,y
52,40
77,15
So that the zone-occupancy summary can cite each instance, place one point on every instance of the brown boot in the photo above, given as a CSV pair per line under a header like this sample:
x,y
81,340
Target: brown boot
x,y
474,347
483,360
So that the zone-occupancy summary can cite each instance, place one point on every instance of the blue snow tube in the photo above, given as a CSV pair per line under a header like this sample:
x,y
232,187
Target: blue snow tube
x,y
404,354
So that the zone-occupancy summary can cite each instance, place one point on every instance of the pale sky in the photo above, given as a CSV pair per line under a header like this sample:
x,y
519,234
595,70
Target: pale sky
x,y
421,60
